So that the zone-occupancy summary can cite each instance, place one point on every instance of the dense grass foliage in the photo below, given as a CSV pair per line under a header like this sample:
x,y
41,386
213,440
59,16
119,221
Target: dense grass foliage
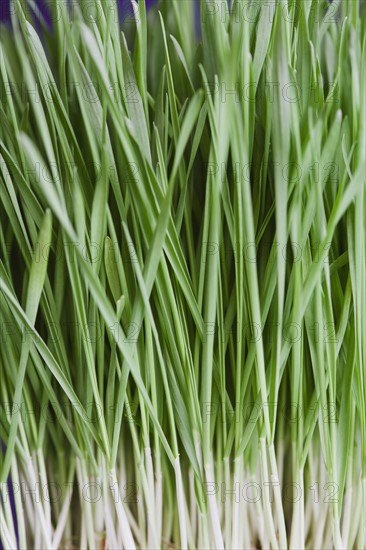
x,y
183,276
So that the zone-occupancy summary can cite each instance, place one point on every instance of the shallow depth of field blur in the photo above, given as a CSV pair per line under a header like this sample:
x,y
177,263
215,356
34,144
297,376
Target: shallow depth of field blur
x,y
183,274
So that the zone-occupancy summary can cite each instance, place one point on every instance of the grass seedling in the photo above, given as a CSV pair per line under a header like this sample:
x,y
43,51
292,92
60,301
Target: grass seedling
x,y
183,276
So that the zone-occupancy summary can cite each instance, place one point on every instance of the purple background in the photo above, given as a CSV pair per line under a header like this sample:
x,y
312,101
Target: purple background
x,y
124,6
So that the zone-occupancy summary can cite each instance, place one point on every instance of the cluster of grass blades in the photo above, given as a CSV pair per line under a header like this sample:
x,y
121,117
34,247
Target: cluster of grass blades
x,y
183,276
